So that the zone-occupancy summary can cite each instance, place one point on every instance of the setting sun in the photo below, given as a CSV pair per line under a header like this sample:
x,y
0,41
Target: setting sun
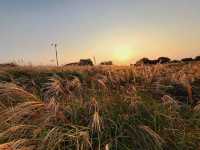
x,y
123,55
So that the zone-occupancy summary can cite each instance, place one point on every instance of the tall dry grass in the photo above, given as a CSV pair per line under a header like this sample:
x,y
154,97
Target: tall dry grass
x,y
89,108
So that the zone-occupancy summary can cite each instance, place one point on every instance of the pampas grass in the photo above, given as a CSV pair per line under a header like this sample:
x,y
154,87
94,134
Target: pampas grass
x,y
89,108
11,94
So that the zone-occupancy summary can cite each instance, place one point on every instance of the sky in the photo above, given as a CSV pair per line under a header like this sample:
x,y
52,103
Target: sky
x,y
119,30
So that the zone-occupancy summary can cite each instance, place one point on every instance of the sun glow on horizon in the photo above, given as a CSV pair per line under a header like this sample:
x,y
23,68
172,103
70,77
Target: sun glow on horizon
x,y
123,54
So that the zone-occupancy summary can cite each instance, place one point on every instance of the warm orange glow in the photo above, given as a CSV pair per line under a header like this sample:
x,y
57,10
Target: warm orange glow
x,y
123,54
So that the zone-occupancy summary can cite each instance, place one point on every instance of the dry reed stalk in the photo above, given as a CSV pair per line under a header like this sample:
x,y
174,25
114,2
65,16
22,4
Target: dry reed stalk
x,y
155,137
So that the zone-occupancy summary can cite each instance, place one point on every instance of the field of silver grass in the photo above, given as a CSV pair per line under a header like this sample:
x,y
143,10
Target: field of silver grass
x,y
100,108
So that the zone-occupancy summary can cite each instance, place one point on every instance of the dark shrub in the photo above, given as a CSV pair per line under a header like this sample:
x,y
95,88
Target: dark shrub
x,y
86,62
143,61
153,62
187,59
163,60
175,61
72,64
107,63
197,58
8,65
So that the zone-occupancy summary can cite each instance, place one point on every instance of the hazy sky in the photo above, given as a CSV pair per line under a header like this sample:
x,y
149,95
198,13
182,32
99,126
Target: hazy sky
x,y
120,30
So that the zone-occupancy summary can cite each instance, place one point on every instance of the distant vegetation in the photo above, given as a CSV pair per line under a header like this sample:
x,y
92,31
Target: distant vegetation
x,y
143,61
8,65
147,107
106,63
88,62
164,60
82,62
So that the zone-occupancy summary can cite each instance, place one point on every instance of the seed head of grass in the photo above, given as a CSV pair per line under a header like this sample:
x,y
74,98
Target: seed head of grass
x,y
169,102
96,122
67,137
18,132
156,139
53,106
24,144
197,107
134,105
57,87
11,94
93,105
83,141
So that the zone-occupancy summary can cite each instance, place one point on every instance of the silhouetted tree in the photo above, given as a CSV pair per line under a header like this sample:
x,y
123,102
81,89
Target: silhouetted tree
x,y
163,60
197,58
86,62
107,63
187,59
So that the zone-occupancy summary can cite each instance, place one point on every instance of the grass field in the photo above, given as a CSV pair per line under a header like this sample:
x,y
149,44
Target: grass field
x,y
100,108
